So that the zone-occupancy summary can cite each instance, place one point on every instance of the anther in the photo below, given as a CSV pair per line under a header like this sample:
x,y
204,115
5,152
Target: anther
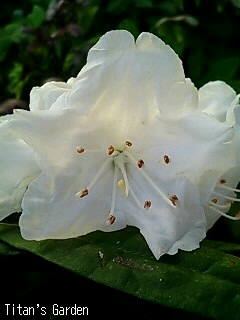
x,y
111,219
145,175
214,200
222,181
80,150
147,204
110,150
83,193
140,163
128,143
166,159
173,199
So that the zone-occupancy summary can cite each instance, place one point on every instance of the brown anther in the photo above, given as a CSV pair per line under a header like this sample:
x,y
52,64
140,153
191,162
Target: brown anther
x,y
110,150
140,163
111,219
80,150
147,204
173,199
214,200
166,159
238,214
228,203
83,193
128,143
222,181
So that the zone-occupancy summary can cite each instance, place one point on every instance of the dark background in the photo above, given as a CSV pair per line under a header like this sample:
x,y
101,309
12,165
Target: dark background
x,y
45,39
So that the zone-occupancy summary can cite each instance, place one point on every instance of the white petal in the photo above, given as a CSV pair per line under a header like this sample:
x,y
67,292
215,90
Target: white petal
x,y
166,228
17,169
122,79
56,134
196,144
215,98
42,98
51,209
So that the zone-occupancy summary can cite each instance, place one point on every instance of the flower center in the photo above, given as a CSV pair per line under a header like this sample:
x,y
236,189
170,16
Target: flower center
x,y
120,156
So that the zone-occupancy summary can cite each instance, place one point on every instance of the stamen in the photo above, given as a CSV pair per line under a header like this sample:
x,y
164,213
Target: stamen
x,y
80,150
214,200
147,204
154,186
140,163
110,150
226,197
128,143
132,193
222,181
166,159
146,156
114,191
82,193
224,214
111,219
228,188
173,199
220,206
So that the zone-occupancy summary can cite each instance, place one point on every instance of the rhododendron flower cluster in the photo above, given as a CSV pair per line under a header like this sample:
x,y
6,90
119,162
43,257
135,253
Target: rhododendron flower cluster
x,y
129,142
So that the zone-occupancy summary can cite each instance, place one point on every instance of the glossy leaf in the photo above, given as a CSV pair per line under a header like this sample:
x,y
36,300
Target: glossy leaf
x,y
205,282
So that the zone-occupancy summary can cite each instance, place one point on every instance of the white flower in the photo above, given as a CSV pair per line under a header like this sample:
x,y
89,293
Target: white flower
x,y
18,164
44,97
220,101
126,145
17,169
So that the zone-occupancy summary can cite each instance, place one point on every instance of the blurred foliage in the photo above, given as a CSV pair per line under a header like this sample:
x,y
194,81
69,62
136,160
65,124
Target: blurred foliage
x,y
49,39
185,282
42,39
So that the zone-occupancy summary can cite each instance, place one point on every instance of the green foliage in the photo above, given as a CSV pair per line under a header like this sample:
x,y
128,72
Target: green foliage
x,y
50,38
42,39
36,17
205,282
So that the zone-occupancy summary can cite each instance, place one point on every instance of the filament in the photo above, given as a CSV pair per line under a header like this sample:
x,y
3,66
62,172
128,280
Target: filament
x,y
228,188
223,214
226,197
114,191
154,186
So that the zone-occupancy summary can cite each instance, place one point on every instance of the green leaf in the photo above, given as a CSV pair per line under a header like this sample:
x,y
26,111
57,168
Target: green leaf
x,y
16,80
87,17
14,31
36,17
236,3
224,69
144,3
205,282
11,33
129,25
